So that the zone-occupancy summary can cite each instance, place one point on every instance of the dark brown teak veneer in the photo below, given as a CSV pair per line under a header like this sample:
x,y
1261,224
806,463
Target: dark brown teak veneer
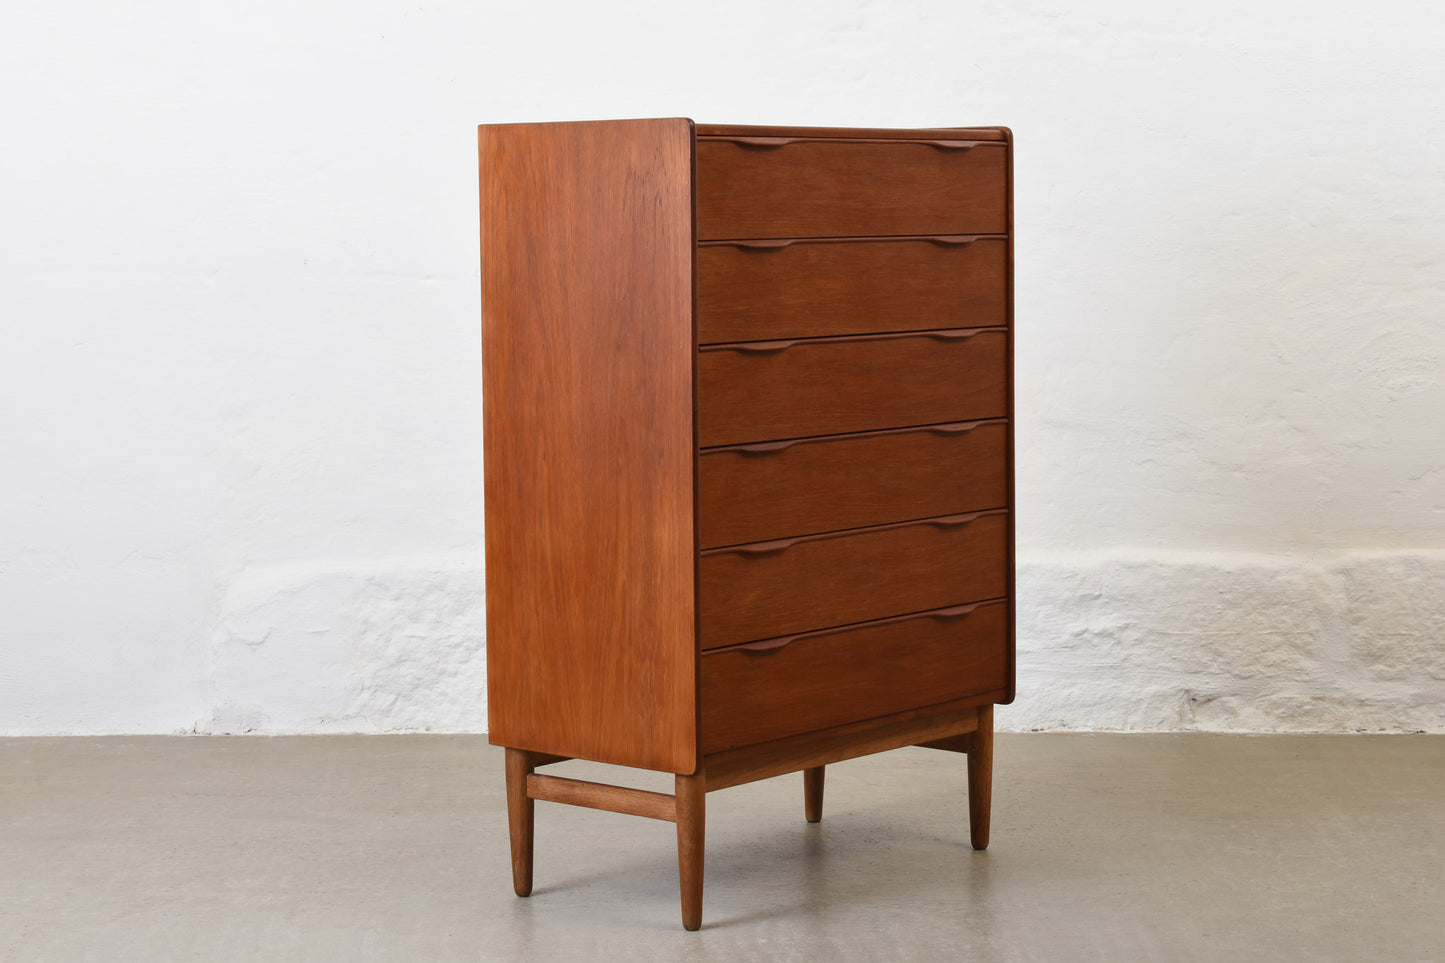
x,y
749,457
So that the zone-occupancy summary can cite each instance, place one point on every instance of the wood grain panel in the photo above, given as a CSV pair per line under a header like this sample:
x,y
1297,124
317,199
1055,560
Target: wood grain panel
x,y
755,493
771,589
586,308
822,188
752,695
795,389
812,288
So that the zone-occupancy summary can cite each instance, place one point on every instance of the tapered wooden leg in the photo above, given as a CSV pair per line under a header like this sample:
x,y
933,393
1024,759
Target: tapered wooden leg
x,y
980,778
813,793
690,794
519,819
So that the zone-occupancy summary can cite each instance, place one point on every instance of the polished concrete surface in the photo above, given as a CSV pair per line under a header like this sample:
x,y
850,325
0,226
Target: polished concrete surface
x,y
1105,847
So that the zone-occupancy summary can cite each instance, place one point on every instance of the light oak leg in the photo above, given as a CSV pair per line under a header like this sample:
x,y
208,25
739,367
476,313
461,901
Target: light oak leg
x,y
690,793
520,809
980,778
813,793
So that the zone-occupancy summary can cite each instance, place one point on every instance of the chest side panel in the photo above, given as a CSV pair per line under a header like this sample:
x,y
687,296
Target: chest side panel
x,y
588,346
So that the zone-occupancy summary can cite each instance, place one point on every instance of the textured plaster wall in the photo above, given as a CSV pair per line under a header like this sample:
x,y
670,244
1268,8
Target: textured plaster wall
x,y
240,471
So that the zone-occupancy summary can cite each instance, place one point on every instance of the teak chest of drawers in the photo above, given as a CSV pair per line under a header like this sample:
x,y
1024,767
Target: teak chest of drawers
x,y
748,438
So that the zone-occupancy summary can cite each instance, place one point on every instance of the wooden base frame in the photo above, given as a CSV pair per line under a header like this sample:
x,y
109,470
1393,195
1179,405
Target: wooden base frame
x,y
967,730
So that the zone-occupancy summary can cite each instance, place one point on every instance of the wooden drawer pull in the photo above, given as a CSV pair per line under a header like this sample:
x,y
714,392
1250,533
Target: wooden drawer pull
x,y
763,448
962,428
759,347
953,612
950,240
766,646
958,145
762,244
760,549
762,143
953,521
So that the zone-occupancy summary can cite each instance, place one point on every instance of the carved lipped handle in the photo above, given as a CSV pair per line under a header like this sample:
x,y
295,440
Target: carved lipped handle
x,y
953,521
762,244
766,646
758,347
763,549
950,240
953,612
958,428
763,448
761,143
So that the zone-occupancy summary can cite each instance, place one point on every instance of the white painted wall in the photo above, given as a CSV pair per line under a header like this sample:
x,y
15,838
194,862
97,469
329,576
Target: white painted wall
x,y
240,471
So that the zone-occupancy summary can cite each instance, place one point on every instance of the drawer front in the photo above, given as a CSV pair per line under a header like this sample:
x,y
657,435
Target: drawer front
x,y
771,589
783,389
779,490
832,678
806,289
782,187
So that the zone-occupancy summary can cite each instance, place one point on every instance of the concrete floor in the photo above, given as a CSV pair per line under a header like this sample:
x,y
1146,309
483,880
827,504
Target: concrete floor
x,y
1105,847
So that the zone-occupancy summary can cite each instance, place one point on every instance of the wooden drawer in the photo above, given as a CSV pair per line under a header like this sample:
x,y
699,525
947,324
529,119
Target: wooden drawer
x,y
799,187
793,389
770,589
751,493
769,690
757,291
